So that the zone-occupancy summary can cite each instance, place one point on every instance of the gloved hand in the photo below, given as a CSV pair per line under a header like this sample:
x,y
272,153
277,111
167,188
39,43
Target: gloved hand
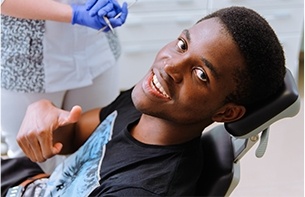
x,y
109,8
81,16
101,7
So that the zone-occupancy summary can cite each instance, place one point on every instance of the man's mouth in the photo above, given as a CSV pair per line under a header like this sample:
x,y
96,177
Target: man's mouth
x,y
157,86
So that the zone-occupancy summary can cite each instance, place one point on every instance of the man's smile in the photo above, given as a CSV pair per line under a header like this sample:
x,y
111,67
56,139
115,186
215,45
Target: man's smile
x,y
157,86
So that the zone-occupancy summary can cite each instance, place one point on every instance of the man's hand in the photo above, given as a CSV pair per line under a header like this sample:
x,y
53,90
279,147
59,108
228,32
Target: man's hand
x,y
42,118
91,14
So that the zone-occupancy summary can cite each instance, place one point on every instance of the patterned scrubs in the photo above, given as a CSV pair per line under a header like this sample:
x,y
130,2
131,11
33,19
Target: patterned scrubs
x,y
45,56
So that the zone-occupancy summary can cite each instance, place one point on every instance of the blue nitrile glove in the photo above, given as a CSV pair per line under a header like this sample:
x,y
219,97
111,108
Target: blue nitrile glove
x,y
81,16
116,9
108,8
123,11
102,6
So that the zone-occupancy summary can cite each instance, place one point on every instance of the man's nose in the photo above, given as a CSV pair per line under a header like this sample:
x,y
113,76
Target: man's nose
x,y
174,70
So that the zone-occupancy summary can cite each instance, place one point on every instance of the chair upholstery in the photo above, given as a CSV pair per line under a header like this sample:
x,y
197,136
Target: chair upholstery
x,y
218,163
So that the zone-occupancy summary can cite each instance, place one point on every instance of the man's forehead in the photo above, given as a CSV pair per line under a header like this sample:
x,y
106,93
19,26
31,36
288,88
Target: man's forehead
x,y
216,42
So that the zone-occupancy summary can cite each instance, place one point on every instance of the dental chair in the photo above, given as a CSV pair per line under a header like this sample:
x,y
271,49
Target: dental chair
x,y
225,144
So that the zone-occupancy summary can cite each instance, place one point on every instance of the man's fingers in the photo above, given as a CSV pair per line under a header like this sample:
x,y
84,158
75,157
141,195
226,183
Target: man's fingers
x,y
31,147
48,152
26,148
39,149
57,148
48,149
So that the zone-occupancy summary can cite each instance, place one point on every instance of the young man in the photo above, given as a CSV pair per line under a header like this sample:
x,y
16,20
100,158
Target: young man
x,y
147,142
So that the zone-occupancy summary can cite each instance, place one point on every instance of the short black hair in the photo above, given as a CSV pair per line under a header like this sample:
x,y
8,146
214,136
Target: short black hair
x,y
265,68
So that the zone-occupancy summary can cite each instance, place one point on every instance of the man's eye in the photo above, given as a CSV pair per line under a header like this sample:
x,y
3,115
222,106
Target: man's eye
x,y
201,74
181,45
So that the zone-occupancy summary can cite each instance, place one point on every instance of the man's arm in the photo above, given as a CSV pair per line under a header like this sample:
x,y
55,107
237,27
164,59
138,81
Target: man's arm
x,y
47,130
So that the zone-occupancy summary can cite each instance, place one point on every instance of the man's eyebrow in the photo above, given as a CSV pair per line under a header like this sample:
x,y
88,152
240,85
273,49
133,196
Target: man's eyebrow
x,y
210,67
204,60
187,34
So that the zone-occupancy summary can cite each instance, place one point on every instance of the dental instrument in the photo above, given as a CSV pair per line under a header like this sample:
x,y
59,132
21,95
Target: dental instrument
x,y
117,16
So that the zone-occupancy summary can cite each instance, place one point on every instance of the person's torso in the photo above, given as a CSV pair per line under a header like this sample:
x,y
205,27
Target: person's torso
x,y
112,161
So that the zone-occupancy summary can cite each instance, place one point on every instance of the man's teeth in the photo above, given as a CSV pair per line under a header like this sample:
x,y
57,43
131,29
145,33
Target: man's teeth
x,y
159,87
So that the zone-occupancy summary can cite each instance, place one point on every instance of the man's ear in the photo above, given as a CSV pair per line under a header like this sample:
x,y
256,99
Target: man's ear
x,y
229,112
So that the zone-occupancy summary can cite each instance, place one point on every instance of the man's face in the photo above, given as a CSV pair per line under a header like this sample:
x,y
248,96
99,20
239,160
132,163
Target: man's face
x,y
191,76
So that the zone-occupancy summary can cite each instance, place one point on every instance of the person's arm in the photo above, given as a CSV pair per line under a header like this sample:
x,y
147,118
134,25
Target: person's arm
x,y
90,15
37,9
47,130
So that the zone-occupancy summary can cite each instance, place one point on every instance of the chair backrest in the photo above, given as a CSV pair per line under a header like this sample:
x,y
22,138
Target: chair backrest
x,y
218,156
218,150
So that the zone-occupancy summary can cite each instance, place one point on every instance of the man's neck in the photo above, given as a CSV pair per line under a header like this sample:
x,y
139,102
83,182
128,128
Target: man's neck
x,y
156,131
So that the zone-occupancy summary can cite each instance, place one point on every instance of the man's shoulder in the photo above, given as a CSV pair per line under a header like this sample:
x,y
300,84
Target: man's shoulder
x,y
122,103
123,100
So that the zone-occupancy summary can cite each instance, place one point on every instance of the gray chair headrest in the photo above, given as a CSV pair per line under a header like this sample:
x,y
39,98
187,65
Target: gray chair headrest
x,y
285,104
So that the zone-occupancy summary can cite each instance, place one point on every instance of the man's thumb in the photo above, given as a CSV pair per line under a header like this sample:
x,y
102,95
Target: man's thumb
x,y
73,116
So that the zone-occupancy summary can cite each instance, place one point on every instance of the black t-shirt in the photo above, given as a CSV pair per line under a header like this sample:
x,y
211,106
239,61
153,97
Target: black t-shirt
x,y
131,168
112,163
